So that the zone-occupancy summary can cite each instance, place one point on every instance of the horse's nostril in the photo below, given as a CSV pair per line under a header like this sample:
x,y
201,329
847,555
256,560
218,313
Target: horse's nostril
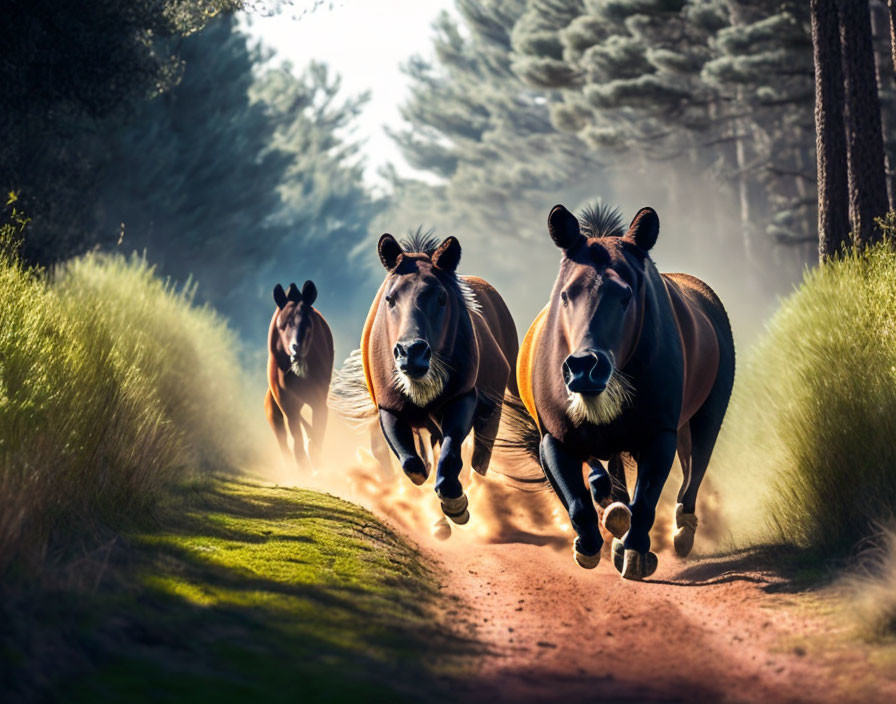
x,y
398,351
419,350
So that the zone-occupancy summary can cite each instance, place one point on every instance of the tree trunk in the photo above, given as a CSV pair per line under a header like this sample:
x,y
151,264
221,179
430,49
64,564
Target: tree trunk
x,y
830,134
864,141
885,80
891,6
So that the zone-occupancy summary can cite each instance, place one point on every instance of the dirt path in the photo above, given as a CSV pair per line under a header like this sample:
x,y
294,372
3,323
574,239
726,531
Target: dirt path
x,y
711,630
700,630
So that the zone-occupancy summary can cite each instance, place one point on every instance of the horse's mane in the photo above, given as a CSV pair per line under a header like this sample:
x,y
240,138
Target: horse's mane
x,y
420,240
601,220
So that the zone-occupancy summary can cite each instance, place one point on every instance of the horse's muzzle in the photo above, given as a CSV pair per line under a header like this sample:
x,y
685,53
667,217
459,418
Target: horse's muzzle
x,y
412,357
587,372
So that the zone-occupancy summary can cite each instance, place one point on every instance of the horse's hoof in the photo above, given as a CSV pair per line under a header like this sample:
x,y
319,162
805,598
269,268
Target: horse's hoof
x,y
418,479
441,530
456,509
415,470
686,525
617,519
638,565
589,562
618,554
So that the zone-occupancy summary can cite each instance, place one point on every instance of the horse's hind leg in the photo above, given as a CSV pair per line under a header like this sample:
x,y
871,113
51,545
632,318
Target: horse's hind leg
x,y
275,419
485,428
701,439
380,451
607,493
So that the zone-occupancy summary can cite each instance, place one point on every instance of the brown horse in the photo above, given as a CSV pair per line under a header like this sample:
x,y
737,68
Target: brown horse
x,y
300,363
438,352
624,360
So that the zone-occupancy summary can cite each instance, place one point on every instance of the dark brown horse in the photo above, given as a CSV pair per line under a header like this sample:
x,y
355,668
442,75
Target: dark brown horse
x,y
624,360
438,352
300,364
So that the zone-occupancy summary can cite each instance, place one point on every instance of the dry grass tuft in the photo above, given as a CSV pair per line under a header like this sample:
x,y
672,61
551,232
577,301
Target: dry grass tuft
x,y
112,384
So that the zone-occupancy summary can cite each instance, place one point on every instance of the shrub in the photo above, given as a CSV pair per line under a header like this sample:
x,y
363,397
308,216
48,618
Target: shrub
x,y
872,595
810,434
112,385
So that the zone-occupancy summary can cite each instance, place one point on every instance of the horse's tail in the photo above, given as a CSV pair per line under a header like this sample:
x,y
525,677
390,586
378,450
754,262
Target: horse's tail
x,y
349,395
518,444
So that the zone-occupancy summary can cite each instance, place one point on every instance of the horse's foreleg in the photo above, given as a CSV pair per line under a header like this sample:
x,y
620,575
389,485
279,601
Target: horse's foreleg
x,y
654,462
457,422
564,471
275,419
319,416
616,516
400,437
294,418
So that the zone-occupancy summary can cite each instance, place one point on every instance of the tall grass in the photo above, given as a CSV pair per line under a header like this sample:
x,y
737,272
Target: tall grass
x,y
811,434
112,384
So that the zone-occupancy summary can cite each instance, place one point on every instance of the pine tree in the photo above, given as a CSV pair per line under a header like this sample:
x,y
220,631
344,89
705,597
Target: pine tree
x,y
65,68
833,197
864,141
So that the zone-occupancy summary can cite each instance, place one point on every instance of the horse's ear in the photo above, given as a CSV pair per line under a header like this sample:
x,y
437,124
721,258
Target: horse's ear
x,y
309,293
389,251
447,256
279,296
292,294
645,228
563,227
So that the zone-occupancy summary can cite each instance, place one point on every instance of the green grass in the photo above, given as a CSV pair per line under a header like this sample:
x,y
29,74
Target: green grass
x,y
252,593
809,451
112,386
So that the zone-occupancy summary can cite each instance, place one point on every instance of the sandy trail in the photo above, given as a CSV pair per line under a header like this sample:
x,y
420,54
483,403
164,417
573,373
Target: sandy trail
x,y
703,633
709,629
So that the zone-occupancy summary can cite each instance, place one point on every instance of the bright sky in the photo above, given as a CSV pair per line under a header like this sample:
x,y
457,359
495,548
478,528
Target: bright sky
x,y
365,42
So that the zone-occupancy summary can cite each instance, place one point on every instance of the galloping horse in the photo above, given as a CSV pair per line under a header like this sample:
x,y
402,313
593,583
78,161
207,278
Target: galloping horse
x,y
438,351
624,360
300,363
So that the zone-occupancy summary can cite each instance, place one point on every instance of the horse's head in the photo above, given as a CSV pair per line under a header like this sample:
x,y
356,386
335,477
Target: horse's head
x,y
597,305
294,323
420,305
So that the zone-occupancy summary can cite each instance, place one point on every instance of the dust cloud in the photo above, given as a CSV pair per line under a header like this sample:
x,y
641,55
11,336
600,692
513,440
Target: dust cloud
x,y
501,511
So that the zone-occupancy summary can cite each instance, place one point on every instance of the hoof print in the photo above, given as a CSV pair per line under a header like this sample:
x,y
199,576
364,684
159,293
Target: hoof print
x,y
441,529
456,509
588,562
686,528
618,554
638,565
617,519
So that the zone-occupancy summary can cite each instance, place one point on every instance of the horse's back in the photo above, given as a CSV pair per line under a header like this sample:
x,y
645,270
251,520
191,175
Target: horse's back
x,y
499,321
707,343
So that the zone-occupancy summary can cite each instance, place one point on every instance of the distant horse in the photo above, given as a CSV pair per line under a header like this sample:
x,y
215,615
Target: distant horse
x,y
300,364
624,360
438,352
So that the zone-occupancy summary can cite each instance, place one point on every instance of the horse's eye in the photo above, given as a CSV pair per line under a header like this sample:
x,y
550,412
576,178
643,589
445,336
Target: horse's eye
x,y
390,300
564,296
626,298
443,299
